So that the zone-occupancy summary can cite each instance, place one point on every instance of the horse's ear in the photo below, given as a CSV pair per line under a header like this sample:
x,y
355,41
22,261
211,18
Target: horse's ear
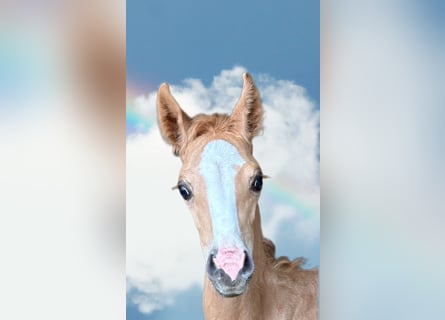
x,y
173,121
248,113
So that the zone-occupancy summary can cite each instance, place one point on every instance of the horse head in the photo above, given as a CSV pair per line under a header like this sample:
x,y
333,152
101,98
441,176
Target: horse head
x,y
220,181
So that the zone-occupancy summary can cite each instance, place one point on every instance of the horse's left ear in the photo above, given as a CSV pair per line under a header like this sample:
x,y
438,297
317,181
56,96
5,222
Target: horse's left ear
x,y
173,121
248,113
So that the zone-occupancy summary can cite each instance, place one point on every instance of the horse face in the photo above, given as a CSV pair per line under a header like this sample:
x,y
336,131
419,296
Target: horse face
x,y
220,181
221,187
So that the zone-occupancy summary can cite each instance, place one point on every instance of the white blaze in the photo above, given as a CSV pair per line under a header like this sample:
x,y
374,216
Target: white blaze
x,y
220,162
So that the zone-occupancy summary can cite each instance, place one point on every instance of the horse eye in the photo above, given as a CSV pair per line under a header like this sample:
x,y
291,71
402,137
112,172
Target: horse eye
x,y
184,191
257,183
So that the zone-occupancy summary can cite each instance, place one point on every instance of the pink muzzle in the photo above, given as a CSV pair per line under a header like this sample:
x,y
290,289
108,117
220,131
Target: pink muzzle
x,y
231,260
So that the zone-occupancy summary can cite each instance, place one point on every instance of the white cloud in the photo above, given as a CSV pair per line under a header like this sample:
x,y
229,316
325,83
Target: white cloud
x,y
163,252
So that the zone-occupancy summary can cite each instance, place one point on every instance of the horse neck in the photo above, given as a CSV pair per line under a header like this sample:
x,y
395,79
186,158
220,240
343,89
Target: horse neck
x,y
249,304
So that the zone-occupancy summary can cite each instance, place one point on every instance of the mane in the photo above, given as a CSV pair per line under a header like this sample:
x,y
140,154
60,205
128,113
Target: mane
x,y
281,263
209,124
213,125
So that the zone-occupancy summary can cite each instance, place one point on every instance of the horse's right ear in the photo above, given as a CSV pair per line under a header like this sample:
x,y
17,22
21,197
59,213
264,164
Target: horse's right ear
x,y
173,121
248,113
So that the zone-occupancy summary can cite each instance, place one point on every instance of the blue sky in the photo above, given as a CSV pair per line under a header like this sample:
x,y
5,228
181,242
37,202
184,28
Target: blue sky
x,y
206,40
174,40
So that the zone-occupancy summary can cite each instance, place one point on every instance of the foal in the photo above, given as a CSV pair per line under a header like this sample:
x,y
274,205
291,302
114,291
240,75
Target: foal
x,y
221,182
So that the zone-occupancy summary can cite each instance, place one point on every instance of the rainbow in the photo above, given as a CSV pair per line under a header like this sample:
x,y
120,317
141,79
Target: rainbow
x,y
281,193
135,122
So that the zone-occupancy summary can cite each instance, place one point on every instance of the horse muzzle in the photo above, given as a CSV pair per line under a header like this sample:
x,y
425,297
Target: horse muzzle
x,y
229,270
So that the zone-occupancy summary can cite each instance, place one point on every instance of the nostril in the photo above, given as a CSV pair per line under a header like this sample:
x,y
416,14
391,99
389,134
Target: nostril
x,y
247,269
211,268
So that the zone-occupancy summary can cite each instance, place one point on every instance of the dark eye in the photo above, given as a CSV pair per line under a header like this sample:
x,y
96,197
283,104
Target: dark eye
x,y
184,191
257,183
